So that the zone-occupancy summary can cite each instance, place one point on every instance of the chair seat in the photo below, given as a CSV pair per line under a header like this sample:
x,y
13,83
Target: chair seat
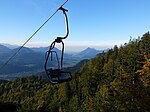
x,y
58,76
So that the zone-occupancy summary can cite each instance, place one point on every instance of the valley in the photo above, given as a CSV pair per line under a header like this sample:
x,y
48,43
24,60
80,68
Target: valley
x,y
31,60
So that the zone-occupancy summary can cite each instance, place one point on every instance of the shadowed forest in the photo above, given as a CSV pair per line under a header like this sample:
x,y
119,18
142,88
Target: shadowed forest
x,y
116,81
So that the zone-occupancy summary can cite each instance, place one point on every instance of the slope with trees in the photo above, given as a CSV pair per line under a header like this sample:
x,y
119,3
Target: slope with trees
x,y
118,80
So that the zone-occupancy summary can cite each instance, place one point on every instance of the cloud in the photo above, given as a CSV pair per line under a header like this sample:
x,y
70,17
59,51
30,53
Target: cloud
x,y
76,46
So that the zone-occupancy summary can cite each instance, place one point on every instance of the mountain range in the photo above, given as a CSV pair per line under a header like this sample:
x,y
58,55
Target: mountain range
x,y
31,60
4,49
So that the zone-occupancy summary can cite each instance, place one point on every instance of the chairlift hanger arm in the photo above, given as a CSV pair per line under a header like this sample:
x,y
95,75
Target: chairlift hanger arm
x,y
59,39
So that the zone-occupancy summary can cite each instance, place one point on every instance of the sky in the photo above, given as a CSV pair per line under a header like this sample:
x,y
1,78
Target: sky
x,y
99,24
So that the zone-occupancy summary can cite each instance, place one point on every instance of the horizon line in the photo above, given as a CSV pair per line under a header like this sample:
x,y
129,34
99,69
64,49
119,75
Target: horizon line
x,y
71,46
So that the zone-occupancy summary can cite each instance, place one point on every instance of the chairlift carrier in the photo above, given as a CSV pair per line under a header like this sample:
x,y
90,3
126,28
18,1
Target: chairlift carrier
x,y
57,75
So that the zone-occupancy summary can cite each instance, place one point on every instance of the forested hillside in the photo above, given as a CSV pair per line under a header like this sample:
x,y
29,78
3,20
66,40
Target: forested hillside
x,y
116,81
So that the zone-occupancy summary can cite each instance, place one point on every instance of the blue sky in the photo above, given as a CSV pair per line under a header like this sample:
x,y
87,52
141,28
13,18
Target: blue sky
x,y
93,23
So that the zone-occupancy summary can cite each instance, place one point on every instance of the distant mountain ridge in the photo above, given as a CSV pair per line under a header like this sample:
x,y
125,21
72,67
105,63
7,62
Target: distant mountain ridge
x,y
88,53
4,49
33,59
40,49
23,50
25,60
9,45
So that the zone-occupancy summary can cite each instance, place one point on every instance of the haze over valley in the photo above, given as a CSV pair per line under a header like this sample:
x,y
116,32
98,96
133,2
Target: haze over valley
x,y
31,60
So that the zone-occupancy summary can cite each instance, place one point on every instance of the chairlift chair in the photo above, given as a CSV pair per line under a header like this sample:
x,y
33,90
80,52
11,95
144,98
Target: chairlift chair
x,y
57,75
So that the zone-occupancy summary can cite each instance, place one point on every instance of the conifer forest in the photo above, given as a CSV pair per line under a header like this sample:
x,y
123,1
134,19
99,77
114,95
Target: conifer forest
x,y
114,81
